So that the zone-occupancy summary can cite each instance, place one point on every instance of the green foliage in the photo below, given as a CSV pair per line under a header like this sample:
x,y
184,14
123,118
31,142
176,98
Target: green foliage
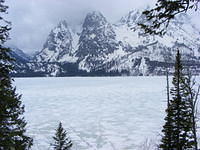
x,y
164,11
12,124
192,96
178,129
61,141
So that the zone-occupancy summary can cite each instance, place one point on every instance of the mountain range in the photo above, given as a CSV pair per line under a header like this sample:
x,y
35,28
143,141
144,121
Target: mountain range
x,y
99,48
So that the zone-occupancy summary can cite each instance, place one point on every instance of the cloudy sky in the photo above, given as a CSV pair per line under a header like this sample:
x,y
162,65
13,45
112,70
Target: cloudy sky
x,y
32,20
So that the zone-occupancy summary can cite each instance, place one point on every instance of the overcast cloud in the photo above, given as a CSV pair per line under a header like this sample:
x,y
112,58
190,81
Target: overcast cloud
x,y
32,20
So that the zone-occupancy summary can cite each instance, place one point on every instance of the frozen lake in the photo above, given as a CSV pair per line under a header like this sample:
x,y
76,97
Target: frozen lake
x,y
99,113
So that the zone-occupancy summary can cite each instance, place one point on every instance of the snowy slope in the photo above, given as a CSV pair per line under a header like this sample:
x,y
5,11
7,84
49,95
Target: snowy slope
x,y
18,54
59,46
99,47
96,42
138,46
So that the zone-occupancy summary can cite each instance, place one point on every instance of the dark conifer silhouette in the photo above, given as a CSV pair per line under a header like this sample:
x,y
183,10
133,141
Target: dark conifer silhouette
x,y
164,11
61,141
12,123
177,131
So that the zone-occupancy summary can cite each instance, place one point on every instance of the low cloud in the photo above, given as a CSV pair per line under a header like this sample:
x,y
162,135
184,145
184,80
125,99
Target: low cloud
x,y
32,20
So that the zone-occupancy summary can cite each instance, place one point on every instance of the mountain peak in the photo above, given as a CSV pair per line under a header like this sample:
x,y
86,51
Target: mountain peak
x,y
97,40
58,46
95,13
123,47
133,17
94,18
62,25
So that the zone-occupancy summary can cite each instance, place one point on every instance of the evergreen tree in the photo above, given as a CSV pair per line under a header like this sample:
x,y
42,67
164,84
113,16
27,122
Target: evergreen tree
x,y
192,97
177,130
12,124
61,141
164,12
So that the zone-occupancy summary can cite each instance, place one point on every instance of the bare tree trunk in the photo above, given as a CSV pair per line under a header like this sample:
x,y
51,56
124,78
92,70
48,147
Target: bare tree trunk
x,y
167,76
168,104
194,113
193,104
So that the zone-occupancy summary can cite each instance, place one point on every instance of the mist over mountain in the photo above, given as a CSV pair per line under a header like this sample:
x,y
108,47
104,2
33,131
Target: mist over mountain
x,y
101,48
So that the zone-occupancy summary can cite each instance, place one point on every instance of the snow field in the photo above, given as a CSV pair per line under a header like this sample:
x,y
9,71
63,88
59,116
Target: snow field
x,y
99,113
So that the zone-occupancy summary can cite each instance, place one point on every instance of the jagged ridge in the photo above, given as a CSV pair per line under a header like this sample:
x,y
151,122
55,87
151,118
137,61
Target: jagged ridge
x,y
121,48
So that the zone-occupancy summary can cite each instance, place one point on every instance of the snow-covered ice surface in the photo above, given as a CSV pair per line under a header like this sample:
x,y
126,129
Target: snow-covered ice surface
x,y
99,113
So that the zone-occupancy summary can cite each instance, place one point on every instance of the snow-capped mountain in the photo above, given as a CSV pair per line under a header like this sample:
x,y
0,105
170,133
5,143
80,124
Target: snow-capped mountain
x,y
102,48
143,49
96,42
59,46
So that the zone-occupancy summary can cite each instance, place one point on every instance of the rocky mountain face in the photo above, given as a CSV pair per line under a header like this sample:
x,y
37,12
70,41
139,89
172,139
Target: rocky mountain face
x,y
96,42
143,51
58,46
19,55
102,48
21,61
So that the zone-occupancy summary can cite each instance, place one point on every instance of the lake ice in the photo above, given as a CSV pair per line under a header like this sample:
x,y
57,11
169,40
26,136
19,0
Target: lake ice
x,y
99,113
